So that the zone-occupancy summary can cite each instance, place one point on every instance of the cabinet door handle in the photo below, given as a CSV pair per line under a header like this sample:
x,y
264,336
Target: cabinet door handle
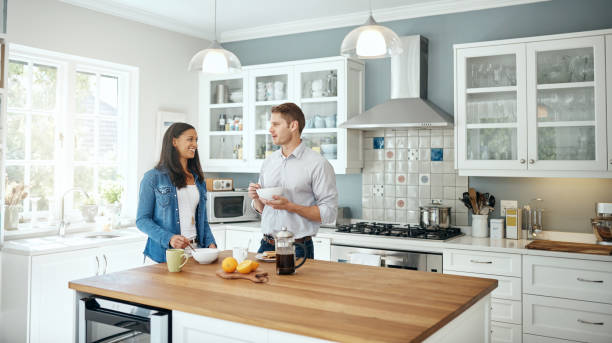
x,y
98,266
483,262
105,263
587,280
522,161
531,161
588,322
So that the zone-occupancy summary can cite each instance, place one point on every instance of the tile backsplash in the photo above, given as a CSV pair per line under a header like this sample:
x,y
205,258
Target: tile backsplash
x,y
405,169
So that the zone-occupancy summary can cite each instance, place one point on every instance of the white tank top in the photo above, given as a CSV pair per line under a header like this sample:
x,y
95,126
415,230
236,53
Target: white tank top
x,y
188,199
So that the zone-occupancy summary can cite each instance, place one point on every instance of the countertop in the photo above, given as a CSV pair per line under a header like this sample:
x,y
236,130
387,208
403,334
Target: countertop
x,y
333,301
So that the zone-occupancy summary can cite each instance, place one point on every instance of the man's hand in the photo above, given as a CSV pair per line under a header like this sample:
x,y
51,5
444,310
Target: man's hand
x,y
253,187
279,203
179,242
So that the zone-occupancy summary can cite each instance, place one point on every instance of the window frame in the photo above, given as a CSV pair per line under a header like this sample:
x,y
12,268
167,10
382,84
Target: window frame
x,y
65,114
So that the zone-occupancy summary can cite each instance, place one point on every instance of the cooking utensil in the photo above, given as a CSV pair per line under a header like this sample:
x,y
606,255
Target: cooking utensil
x,y
434,217
492,201
472,193
467,202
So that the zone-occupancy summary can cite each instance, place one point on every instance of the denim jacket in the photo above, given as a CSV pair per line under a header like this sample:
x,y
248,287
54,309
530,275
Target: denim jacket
x,y
158,214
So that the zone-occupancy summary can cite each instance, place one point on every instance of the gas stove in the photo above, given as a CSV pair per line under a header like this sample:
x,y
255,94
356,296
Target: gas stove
x,y
397,230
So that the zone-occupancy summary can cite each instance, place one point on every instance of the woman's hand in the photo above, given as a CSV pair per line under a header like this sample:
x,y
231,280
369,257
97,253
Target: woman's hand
x,y
212,245
179,242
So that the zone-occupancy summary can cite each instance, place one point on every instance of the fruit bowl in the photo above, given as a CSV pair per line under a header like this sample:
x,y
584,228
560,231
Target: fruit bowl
x,y
269,193
205,255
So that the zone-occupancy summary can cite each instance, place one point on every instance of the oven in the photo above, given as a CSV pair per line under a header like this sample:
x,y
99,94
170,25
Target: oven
x,y
412,260
103,320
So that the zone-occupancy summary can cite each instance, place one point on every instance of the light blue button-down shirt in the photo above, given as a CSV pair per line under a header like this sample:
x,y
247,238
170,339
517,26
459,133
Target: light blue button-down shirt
x,y
307,179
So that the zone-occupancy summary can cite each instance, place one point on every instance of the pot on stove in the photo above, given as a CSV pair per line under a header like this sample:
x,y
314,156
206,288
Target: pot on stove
x,y
434,217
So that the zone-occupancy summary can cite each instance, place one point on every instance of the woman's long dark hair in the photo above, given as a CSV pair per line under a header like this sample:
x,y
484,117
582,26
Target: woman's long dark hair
x,y
169,158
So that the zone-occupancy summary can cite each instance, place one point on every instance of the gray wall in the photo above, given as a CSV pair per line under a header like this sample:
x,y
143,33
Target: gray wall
x,y
557,16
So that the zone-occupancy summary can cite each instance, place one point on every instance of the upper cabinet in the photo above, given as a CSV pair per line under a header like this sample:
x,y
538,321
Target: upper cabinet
x,y
533,107
235,112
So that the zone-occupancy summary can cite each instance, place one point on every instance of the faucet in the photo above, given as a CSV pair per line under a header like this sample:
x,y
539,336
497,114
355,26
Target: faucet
x,y
61,230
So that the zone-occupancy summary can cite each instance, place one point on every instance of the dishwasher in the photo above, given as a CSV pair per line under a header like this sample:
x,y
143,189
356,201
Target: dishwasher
x,y
412,260
103,320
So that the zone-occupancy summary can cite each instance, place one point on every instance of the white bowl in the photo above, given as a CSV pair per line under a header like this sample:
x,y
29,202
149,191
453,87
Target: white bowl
x,y
269,193
205,255
329,148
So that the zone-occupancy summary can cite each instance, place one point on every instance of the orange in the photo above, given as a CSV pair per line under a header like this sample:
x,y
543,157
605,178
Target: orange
x,y
229,264
245,267
255,265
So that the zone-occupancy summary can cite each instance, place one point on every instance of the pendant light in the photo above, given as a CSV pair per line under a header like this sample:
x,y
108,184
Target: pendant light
x,y
370,41
215,59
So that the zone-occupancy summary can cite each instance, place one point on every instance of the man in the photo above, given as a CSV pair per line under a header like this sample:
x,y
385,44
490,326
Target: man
x,y
308,180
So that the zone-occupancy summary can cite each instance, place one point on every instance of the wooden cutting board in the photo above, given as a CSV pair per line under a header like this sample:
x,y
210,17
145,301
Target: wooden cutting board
x,y
258,277
582,248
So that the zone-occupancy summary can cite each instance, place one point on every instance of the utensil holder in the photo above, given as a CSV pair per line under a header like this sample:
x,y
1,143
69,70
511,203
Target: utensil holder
x,y
480,227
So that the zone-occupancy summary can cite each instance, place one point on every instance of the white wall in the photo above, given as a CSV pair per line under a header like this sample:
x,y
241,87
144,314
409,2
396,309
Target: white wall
x,y
162,57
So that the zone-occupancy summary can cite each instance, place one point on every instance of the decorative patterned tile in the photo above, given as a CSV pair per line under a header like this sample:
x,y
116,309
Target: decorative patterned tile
x,y
401,154
425,167
389,142
400,179
389,166
413,179
437,192
378,190
449,193
389,178
424,142
401,142
400,203
390,154
424,179
437,167
401,191
437,141
449,179
413,142
412,191
413,154
424,154
424,192
436,180
437,154
449,141
379,143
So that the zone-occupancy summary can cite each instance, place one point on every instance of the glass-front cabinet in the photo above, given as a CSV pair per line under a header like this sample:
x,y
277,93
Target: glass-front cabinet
x,y
328,90
491,122
566,104
533,108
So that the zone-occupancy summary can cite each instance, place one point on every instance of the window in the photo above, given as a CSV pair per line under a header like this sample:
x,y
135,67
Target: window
x,y
68,120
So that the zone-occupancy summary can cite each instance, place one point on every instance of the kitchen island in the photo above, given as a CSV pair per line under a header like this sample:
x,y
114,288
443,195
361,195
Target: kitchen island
x,y
323,301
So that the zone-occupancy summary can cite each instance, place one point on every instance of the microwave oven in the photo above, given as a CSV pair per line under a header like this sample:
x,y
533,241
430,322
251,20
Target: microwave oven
x,y
224,207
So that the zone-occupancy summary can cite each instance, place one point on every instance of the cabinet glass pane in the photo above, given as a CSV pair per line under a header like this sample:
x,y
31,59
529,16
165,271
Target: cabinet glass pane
x,y
262,117
226,91
324,143
226,147
567,104
317,84
320,115
264,146
271,88
491,108
491,144
226,119
560,66
566,143
491,71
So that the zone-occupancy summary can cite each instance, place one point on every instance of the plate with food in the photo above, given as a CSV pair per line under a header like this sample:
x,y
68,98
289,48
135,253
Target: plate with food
x,y
267,256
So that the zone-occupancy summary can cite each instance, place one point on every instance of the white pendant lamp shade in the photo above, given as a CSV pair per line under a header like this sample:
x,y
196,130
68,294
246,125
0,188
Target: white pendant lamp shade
x,y
215,60
370,41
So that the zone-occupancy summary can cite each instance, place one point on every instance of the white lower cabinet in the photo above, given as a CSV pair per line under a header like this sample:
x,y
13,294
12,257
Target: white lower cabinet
x,y
582,321
322,248
505,333
37,304
507,311
527,338
483,262
219,234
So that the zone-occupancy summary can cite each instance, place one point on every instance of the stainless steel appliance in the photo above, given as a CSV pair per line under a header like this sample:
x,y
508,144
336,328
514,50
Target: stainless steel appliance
x,y
434,217
602,223
225,207
111,321
422,261
402,231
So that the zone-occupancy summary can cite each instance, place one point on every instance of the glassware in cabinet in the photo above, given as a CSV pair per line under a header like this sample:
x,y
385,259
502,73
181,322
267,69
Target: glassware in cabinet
x,y
319,84
226,147
324,143
264,146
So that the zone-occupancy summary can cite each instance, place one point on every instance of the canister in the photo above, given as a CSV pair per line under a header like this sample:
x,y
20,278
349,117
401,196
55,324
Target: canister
x,y
497,228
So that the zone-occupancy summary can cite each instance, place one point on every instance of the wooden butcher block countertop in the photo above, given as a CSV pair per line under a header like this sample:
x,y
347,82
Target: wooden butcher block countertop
x,y
333,301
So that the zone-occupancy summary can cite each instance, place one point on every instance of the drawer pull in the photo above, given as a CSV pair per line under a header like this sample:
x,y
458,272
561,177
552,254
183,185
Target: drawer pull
x,y
483,262
587,280
587,322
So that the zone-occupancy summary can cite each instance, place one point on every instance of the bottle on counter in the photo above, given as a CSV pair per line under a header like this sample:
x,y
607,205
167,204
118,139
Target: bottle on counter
x,y
221,122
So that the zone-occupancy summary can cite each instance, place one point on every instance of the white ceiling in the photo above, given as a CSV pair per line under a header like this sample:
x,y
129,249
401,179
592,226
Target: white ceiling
x,y
249,19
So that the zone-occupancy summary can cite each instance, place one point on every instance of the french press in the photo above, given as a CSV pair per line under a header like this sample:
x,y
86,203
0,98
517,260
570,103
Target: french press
x,y
285,253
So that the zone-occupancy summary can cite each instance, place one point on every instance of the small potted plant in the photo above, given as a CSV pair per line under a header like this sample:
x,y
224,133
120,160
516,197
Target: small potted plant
x,y
13,198
111,193
89,209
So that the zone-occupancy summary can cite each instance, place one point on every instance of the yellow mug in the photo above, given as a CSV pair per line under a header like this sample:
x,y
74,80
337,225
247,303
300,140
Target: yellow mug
x,y
174,258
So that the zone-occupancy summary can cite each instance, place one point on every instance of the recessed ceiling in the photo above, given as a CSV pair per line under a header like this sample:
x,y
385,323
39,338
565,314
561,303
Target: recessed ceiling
x,y
249,19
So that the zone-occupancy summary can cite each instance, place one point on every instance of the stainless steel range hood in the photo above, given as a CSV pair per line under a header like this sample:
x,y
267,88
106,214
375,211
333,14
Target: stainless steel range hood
x,y
408,106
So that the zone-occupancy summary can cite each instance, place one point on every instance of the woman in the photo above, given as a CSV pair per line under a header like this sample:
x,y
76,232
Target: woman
x,y
172,200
